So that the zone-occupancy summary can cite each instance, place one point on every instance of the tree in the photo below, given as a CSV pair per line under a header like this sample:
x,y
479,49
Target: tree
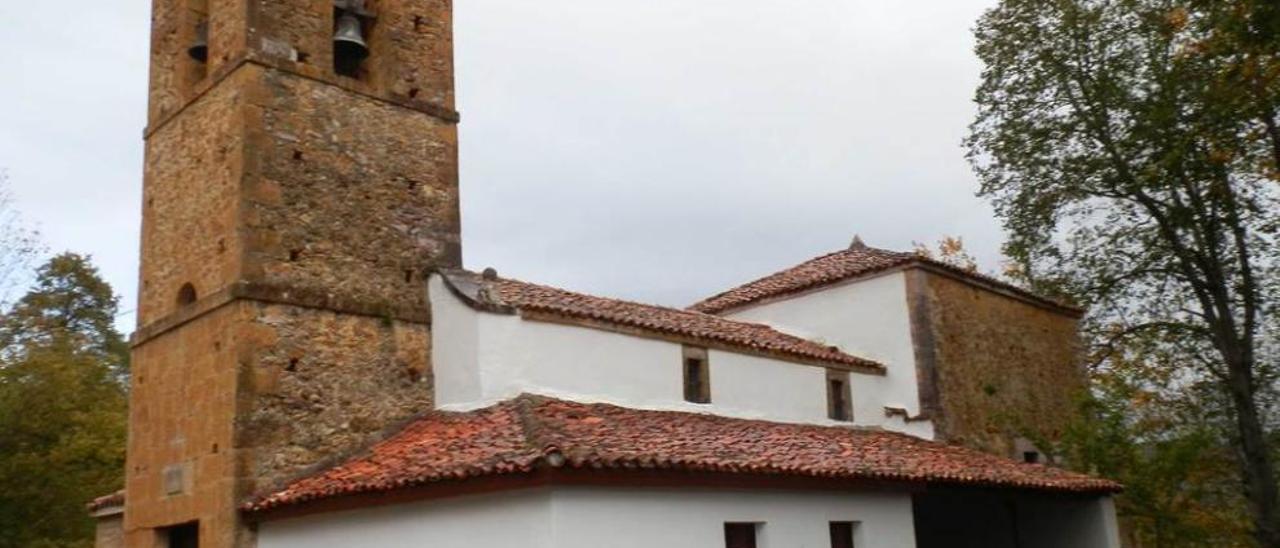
x,y
951,250
69,303
19,245
63,409
1160,434
1132,150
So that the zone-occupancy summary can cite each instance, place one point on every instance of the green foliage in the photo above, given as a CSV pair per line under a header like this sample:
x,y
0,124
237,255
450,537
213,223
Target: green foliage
x,y
1161,435
63,406
1132,150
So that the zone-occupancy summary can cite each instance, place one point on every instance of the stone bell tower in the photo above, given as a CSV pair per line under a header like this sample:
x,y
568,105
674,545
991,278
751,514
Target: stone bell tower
x,y
301,178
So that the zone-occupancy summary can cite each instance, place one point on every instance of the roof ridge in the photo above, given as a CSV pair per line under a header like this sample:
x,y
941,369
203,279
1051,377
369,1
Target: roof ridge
x,y
617,299
603,297
530,426
696,313
766,276
861,260
862,250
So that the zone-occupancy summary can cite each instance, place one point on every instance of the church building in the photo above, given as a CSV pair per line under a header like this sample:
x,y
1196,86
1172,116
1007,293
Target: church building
x,y
313,366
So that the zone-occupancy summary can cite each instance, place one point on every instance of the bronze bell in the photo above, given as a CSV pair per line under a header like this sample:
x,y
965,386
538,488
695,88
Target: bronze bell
x,y
199,49
348,41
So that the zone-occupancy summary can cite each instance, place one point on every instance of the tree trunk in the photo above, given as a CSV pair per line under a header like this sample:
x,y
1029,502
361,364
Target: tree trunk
x,y
1255,460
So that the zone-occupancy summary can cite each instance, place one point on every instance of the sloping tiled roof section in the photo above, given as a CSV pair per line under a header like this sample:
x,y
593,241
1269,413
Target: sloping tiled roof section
x,y
104,502
529,432
858,260
499,294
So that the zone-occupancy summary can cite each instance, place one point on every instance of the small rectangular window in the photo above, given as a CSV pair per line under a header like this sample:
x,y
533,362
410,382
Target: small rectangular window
x,y
740,535
186,535
839,402
697,376
842,534
1027,451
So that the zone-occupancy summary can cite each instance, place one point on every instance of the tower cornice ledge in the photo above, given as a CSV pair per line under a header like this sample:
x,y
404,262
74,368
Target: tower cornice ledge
x,y
257,58
281,295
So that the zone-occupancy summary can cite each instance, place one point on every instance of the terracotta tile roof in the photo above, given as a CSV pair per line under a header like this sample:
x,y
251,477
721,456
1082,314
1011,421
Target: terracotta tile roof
x,y
495,293
858,260
104,502
529,432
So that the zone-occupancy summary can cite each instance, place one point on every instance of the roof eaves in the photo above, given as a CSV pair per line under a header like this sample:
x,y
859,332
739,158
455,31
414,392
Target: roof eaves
x,y
107,505
565,422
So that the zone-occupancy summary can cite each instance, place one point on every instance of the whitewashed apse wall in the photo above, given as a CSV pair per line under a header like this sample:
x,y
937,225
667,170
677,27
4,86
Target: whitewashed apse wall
x,y
481,358
574,517
868,318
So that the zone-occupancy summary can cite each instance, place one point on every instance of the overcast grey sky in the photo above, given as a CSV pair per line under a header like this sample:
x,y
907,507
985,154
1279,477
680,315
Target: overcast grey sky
x,y
659,150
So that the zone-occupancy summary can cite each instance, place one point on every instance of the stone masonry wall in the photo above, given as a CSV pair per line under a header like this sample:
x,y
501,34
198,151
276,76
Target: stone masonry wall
x,y
349,196
412,41
251,394
341,194
1004,368
109,532
181,428
191,201
321,385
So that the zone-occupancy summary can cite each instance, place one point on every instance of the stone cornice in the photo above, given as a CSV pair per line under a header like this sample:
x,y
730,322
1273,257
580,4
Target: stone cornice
x,y
272,294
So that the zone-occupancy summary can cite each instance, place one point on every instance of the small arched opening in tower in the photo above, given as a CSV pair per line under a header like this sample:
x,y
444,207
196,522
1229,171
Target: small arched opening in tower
x,y
186,295
350,37
197,14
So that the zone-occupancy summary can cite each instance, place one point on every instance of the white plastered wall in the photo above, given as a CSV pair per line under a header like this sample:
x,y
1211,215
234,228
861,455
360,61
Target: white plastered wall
x,y
695,518
503,520
580,517
868,318
481,358
455,344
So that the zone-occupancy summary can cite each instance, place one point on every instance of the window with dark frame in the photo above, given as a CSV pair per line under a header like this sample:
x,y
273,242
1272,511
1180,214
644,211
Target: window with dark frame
x,y
839,402
697,376
1027,451
186,535
740,535
842,534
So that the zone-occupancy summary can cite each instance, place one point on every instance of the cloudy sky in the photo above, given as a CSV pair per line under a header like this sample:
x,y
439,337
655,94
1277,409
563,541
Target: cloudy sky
x,y
658,150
